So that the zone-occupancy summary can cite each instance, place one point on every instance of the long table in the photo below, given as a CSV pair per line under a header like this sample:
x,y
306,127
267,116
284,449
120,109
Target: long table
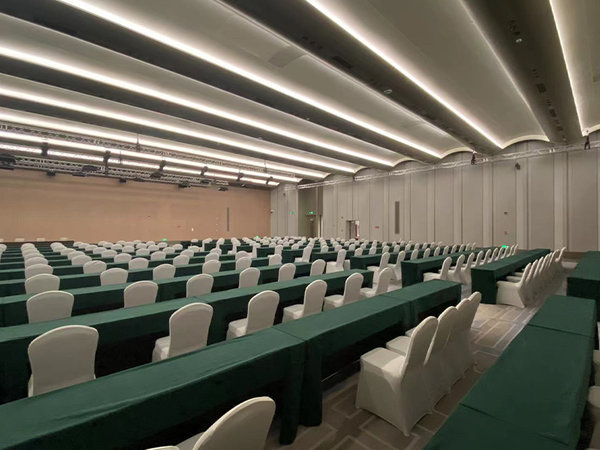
x,y
538,386
584,281
13,309
412,271
127,335
485,277
340,330
122,410
79,280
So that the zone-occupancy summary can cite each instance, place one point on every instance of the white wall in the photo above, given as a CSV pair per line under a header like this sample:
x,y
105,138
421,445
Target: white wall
x,y
553,200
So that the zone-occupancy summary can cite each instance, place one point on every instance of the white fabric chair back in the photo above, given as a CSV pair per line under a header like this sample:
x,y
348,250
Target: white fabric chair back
x,y
244,427
242,254
142,252
446,324
426,253
211,257
445,267
384,261
35,260
163,272
211,266
74,254
188,252
158,256
122,258
437,251
287,272
113,276
138,263
249,277
178,247
314,296
383,281
41,283
261,311
108,254
140,293
243,263
62,357
94,267
401,256
169,250
199,285
181,260
358,252
418,347
128,249
278,249
414,255
306,253
37,269
49,305
317,267
188,328
153,248
274,260
372,250
352,288
80,260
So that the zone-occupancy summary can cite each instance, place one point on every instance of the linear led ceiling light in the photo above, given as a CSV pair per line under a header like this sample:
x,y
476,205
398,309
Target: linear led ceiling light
x,y
238,70
339,21
146,141
120,153
561,31
140,89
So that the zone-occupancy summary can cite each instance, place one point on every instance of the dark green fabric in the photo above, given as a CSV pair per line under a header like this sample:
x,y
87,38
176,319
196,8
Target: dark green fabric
x,y
265,251
289,255
568,314
328,256
79,280
122,409
485,277
364,261
539,383
98,298
467,429
333,331
584,281
142,325
412,271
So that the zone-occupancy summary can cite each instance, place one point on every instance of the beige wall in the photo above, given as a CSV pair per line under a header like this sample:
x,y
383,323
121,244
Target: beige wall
x,y
90,209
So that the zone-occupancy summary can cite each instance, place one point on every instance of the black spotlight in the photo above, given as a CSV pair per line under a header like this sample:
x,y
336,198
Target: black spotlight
x,y
518,166
223,189
586,144
473,160
45,148
122,180
184,184
51,173
139,180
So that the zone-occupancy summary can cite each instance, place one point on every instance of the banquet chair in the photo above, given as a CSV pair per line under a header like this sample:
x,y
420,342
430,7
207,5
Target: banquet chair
x,y
286,272
243,263
274,260
382,286
397,267
317,267
244,427
123,258
163,272
140,293
210,267
49,305
94,266
158,256
41,283
188,332
442,274
338,264
138,263
198,285
351,293
37,269
35,260
113,276
62,357
305,254
261,315
314,296
392,386
249,277
181,260
383,263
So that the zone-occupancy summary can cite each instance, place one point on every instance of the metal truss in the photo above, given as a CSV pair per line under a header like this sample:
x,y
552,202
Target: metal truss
x,y
115,145
479,160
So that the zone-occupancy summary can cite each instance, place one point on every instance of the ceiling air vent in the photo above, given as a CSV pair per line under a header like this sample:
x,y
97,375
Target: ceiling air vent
x,y
342,62
541,87
552,112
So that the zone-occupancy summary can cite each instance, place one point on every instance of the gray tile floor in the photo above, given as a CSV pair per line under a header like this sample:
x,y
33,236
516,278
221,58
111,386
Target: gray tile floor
x,y
346,428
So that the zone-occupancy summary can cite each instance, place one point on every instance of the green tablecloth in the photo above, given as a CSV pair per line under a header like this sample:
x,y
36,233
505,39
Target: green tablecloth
x,y
79,280
467,429
328,256
99,298
67,269
584,281
412,271
265,251
568,314
539,383
127,335
364,261
123,409
484,278
331,332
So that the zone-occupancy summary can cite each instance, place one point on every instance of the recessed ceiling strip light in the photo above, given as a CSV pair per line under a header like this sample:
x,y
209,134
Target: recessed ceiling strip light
x,y
238,70
151,124
335,18
561,31
139,88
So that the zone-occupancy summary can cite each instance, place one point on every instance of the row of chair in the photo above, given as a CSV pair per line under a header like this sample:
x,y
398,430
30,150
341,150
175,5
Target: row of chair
x,y
403,382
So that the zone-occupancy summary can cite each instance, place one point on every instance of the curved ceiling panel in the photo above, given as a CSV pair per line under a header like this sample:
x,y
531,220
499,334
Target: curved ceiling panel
x,y
577,26
440,48
215,33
